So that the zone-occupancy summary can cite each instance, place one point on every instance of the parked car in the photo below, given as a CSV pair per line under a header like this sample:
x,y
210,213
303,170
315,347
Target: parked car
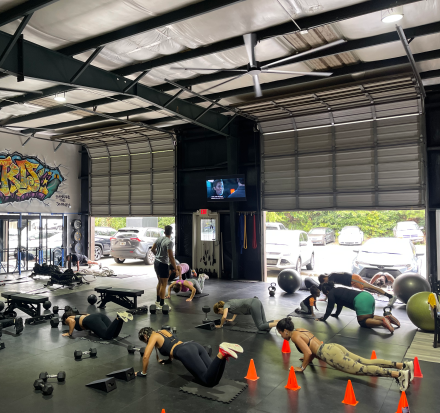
x,y
410,230
289,249
275,226
134,243
102,241
392,255
322,235
351,235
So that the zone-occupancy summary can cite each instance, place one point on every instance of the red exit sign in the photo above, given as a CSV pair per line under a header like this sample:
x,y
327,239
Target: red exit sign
x,y
203,212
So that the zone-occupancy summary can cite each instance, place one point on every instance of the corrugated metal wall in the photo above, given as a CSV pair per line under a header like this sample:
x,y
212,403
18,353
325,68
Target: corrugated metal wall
x,y
368,157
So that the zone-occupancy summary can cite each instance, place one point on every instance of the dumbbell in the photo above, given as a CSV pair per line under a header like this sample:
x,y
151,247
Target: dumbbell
x,y
47,304
153,309
131,349
54,322
78,353
61,376
165,309
165,327
46,388
206,309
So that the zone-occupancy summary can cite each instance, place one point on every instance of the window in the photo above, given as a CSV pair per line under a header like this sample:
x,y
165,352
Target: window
x,y
110,232
283,227
302,237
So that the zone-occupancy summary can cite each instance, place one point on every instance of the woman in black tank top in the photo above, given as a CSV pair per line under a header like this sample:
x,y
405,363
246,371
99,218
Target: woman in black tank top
x,y
340,358
191,354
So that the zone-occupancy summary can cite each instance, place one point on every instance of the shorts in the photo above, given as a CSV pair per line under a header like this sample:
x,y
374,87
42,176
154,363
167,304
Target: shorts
x,y
354,284
364,304
162,270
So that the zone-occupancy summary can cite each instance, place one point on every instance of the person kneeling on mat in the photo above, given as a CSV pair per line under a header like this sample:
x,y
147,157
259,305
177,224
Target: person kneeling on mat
x,y
195,285
192,355
182,271
361,302
244,306
99,324
340,358
306,305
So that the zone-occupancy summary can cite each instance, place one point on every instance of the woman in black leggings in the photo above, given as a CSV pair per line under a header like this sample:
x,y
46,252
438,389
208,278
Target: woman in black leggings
x,y
99,323
192,355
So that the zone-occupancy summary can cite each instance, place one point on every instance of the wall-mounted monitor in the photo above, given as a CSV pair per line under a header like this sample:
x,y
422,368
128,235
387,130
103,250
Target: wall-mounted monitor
x,y
226,188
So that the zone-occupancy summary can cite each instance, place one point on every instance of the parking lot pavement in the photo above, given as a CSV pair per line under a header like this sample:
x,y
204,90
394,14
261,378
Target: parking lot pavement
x,y
133,267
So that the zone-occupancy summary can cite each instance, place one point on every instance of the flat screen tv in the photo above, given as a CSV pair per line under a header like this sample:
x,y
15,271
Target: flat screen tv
x,y
226,188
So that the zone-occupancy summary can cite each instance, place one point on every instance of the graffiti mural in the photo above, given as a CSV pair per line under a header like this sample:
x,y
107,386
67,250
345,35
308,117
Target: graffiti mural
x,y
25,177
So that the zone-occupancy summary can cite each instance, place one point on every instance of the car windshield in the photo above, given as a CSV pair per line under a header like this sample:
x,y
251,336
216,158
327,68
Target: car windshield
x,y
350,230
270,228
317,231
127,234
407,225
386,246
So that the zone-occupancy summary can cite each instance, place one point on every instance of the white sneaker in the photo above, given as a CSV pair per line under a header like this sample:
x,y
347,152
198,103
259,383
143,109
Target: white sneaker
x,y
409,365
206,277
393,299
235,347
124,316
403,380
157,303
158,306
227,351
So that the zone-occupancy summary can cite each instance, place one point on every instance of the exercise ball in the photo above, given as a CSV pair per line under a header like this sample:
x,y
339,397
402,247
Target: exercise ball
x,y
419,311
47,304
92,299
406,285
289,281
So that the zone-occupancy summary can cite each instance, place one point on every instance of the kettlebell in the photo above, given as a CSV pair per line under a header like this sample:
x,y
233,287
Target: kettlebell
x,y
272,288
386,311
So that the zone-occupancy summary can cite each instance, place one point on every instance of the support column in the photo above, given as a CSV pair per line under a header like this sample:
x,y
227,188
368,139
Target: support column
x,y
232,158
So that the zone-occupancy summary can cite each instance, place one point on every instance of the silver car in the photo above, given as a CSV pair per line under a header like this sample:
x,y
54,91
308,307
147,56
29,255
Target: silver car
x,y
134,243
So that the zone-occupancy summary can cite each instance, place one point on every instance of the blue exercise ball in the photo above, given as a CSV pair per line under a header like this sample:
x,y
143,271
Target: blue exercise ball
x,y
406,285
289,281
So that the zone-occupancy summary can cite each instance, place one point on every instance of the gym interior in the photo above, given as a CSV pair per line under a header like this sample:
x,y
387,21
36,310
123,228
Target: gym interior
x,y
214,112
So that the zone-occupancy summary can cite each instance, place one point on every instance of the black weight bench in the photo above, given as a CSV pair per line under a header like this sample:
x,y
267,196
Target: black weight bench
x,y
28,303
121,296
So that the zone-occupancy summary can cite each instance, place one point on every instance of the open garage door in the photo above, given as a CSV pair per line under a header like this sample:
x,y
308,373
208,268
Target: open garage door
x,y
369,156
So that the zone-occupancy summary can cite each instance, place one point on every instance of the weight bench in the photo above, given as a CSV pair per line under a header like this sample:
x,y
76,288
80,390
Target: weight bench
x,y
28,303
121,296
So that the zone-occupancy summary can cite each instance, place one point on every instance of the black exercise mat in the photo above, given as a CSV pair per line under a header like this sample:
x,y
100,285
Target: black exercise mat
x,y
244,328
302,315
85,335
187,294
224,392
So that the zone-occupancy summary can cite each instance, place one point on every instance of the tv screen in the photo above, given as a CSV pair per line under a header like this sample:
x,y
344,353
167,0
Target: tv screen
x,y
226,188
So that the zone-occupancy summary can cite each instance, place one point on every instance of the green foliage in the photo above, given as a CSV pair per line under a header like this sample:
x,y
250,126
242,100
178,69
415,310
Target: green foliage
x,y
164,221
372,223
114,222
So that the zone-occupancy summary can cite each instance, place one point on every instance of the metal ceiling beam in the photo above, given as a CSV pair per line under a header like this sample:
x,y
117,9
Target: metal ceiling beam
x,y
175,16
23,9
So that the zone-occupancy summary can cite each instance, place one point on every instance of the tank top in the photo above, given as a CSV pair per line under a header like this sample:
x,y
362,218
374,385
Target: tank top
x,y
310,339
77,326
183,288
168,344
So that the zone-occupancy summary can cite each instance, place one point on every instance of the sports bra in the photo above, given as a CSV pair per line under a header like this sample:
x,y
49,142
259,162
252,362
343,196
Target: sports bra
x,y
310,339
183,287
168,344
77,325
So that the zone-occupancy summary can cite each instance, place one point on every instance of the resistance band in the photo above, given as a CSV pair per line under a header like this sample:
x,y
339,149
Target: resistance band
x,y
245,233
254,238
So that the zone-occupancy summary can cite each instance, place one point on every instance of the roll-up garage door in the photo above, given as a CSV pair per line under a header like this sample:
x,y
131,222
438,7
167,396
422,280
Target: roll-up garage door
x,y
362,158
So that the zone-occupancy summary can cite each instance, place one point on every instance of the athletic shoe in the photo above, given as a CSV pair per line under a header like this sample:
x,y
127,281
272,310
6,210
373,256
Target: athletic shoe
x,y
386,323
403,380
18,325
158,306
236,347
124,316
206,277
393,320
298,311
393,299
230,350
157,303
409,365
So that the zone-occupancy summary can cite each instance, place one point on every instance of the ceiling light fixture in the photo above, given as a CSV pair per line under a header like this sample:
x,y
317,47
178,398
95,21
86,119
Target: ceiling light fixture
x,y
392,15
60,98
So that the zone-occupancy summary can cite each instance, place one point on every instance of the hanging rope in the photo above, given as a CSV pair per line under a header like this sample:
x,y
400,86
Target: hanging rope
x,y
245,234
254,238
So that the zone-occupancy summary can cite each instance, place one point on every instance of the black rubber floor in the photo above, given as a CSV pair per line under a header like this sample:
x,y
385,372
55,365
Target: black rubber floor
x,y
41,348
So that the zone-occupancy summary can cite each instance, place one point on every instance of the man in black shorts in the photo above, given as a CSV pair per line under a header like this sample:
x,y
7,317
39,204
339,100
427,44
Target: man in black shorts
x,y
80,259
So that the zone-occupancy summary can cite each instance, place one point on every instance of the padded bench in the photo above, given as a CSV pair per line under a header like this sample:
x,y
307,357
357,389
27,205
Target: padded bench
x,y
125,297
28,303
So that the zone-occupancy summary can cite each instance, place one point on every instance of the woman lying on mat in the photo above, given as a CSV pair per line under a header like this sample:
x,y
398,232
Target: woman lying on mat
x,y
99,324
192,355
196,286
356,281
360,301
340,358
244,306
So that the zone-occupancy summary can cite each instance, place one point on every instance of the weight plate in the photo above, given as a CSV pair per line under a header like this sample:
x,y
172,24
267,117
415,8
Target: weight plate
x,y
78,248
77,236
76,223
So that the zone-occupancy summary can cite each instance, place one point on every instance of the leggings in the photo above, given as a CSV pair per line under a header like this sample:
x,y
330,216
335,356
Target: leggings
x,y
257,312
101,325
198,283
340,358
196,360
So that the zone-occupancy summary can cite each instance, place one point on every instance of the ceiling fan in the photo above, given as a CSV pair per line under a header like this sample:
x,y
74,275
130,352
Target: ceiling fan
x,y
254,68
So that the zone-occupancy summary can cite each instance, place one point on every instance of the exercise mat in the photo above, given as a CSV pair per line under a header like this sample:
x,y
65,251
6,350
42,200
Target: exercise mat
x,y
85,335
224,392
187,294
244,328
302,315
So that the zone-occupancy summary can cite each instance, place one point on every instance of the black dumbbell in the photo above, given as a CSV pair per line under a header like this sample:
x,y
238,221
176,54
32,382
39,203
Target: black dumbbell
x,y
206,309
153,309
47,304
131,349
165,327
55,309
54,322
46,388
165,309
61,376
78,353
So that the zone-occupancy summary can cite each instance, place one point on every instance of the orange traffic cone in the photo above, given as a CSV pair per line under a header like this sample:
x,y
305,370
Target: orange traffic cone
x,y
403,402
163,410
252,372
292,384
373,355
350,398
417,370
286,347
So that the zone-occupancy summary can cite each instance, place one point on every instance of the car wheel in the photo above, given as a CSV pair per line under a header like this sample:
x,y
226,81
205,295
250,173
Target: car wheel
x,y
149,259
119,261
298,265
311,264
98,253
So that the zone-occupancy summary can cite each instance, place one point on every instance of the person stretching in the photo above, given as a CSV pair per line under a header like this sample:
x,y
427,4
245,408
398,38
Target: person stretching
x,y
341,359
99,323
81,259
306,305
195,285
360,301
244,306
182,271
356,281
192,355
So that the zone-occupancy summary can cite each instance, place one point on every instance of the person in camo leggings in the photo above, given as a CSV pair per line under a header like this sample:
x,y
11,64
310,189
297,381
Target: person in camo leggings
x,y
244,306
340,358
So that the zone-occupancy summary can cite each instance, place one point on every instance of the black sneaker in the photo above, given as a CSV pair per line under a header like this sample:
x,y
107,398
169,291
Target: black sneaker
x,y
18,325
